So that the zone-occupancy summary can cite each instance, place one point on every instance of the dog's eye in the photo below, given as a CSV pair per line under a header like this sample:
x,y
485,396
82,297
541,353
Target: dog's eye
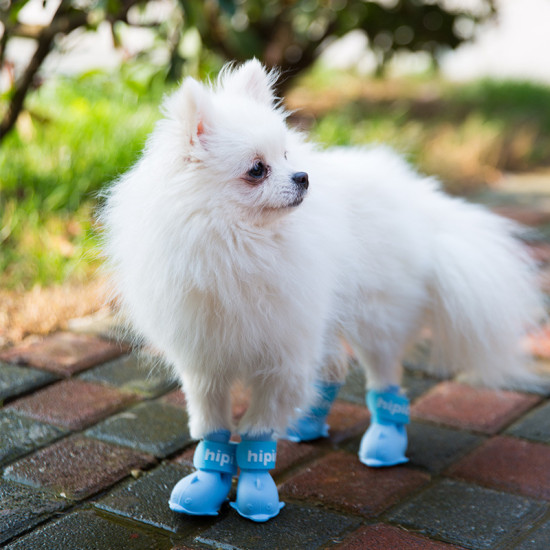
x,y
258,171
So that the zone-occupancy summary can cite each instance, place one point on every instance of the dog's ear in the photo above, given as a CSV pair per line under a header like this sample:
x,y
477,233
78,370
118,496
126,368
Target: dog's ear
x,y
190,107
252,79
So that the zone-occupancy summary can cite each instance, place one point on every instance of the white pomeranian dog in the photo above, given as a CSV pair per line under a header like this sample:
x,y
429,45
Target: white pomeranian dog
x,y
243,252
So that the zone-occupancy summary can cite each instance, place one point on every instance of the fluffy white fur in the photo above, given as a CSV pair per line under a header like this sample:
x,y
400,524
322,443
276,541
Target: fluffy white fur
x,y
232,279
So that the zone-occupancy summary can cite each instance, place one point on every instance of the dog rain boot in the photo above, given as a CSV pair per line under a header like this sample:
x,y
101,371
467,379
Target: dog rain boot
x,y
203,492
385,441
312,424
257,494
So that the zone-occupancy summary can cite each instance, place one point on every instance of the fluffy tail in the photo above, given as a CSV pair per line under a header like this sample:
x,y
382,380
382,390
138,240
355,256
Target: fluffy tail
x,y
486,299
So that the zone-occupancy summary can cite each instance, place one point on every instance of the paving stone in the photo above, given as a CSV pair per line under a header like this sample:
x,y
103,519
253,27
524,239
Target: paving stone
x,y
19,435
347,420
435,447
134,373
175,398
72,404
468,515
15,380
291,454
431,447
295,527
540,252
64,353
417,384
535,425
525,215
186,458
84,530
479,409
384,537
22,508
510,464
77,467
146,500
537,539
340,481
153,427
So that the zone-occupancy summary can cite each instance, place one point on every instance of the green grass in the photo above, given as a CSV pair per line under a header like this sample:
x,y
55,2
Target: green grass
x,y
511,101
519,106
467,135
80,134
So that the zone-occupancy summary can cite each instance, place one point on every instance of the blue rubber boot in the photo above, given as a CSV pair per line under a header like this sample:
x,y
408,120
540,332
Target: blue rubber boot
x,y
385,441
257,494
312,425
203,492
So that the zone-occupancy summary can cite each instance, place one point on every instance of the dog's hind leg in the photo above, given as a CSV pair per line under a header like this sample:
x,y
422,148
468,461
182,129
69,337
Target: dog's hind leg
x,y
380,354
385,441
311,424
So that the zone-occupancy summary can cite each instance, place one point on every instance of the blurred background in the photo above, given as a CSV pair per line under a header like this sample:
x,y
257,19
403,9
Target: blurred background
x,y
460,87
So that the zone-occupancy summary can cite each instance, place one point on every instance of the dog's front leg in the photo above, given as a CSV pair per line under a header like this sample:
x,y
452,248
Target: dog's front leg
x,y
274,399
203,492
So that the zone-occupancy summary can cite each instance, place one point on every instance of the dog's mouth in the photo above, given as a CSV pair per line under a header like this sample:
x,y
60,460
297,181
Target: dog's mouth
x,y
297,199
296,202
292,203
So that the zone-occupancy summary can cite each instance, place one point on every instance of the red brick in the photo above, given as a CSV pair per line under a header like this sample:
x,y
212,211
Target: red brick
x,y
73,404
175,398
290,454
347,420
187,456
477,409
523,214
340,481
510,464
386,537
64,353
540,252
77,467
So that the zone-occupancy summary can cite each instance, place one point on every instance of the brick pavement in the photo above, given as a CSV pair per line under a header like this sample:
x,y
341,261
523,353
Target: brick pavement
x,y
93,437
90,454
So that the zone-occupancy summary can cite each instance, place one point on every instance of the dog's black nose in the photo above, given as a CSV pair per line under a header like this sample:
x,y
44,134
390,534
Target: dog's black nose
x,y
301,179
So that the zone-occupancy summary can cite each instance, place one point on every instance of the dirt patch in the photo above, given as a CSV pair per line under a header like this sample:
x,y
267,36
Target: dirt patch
x,y
43,310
